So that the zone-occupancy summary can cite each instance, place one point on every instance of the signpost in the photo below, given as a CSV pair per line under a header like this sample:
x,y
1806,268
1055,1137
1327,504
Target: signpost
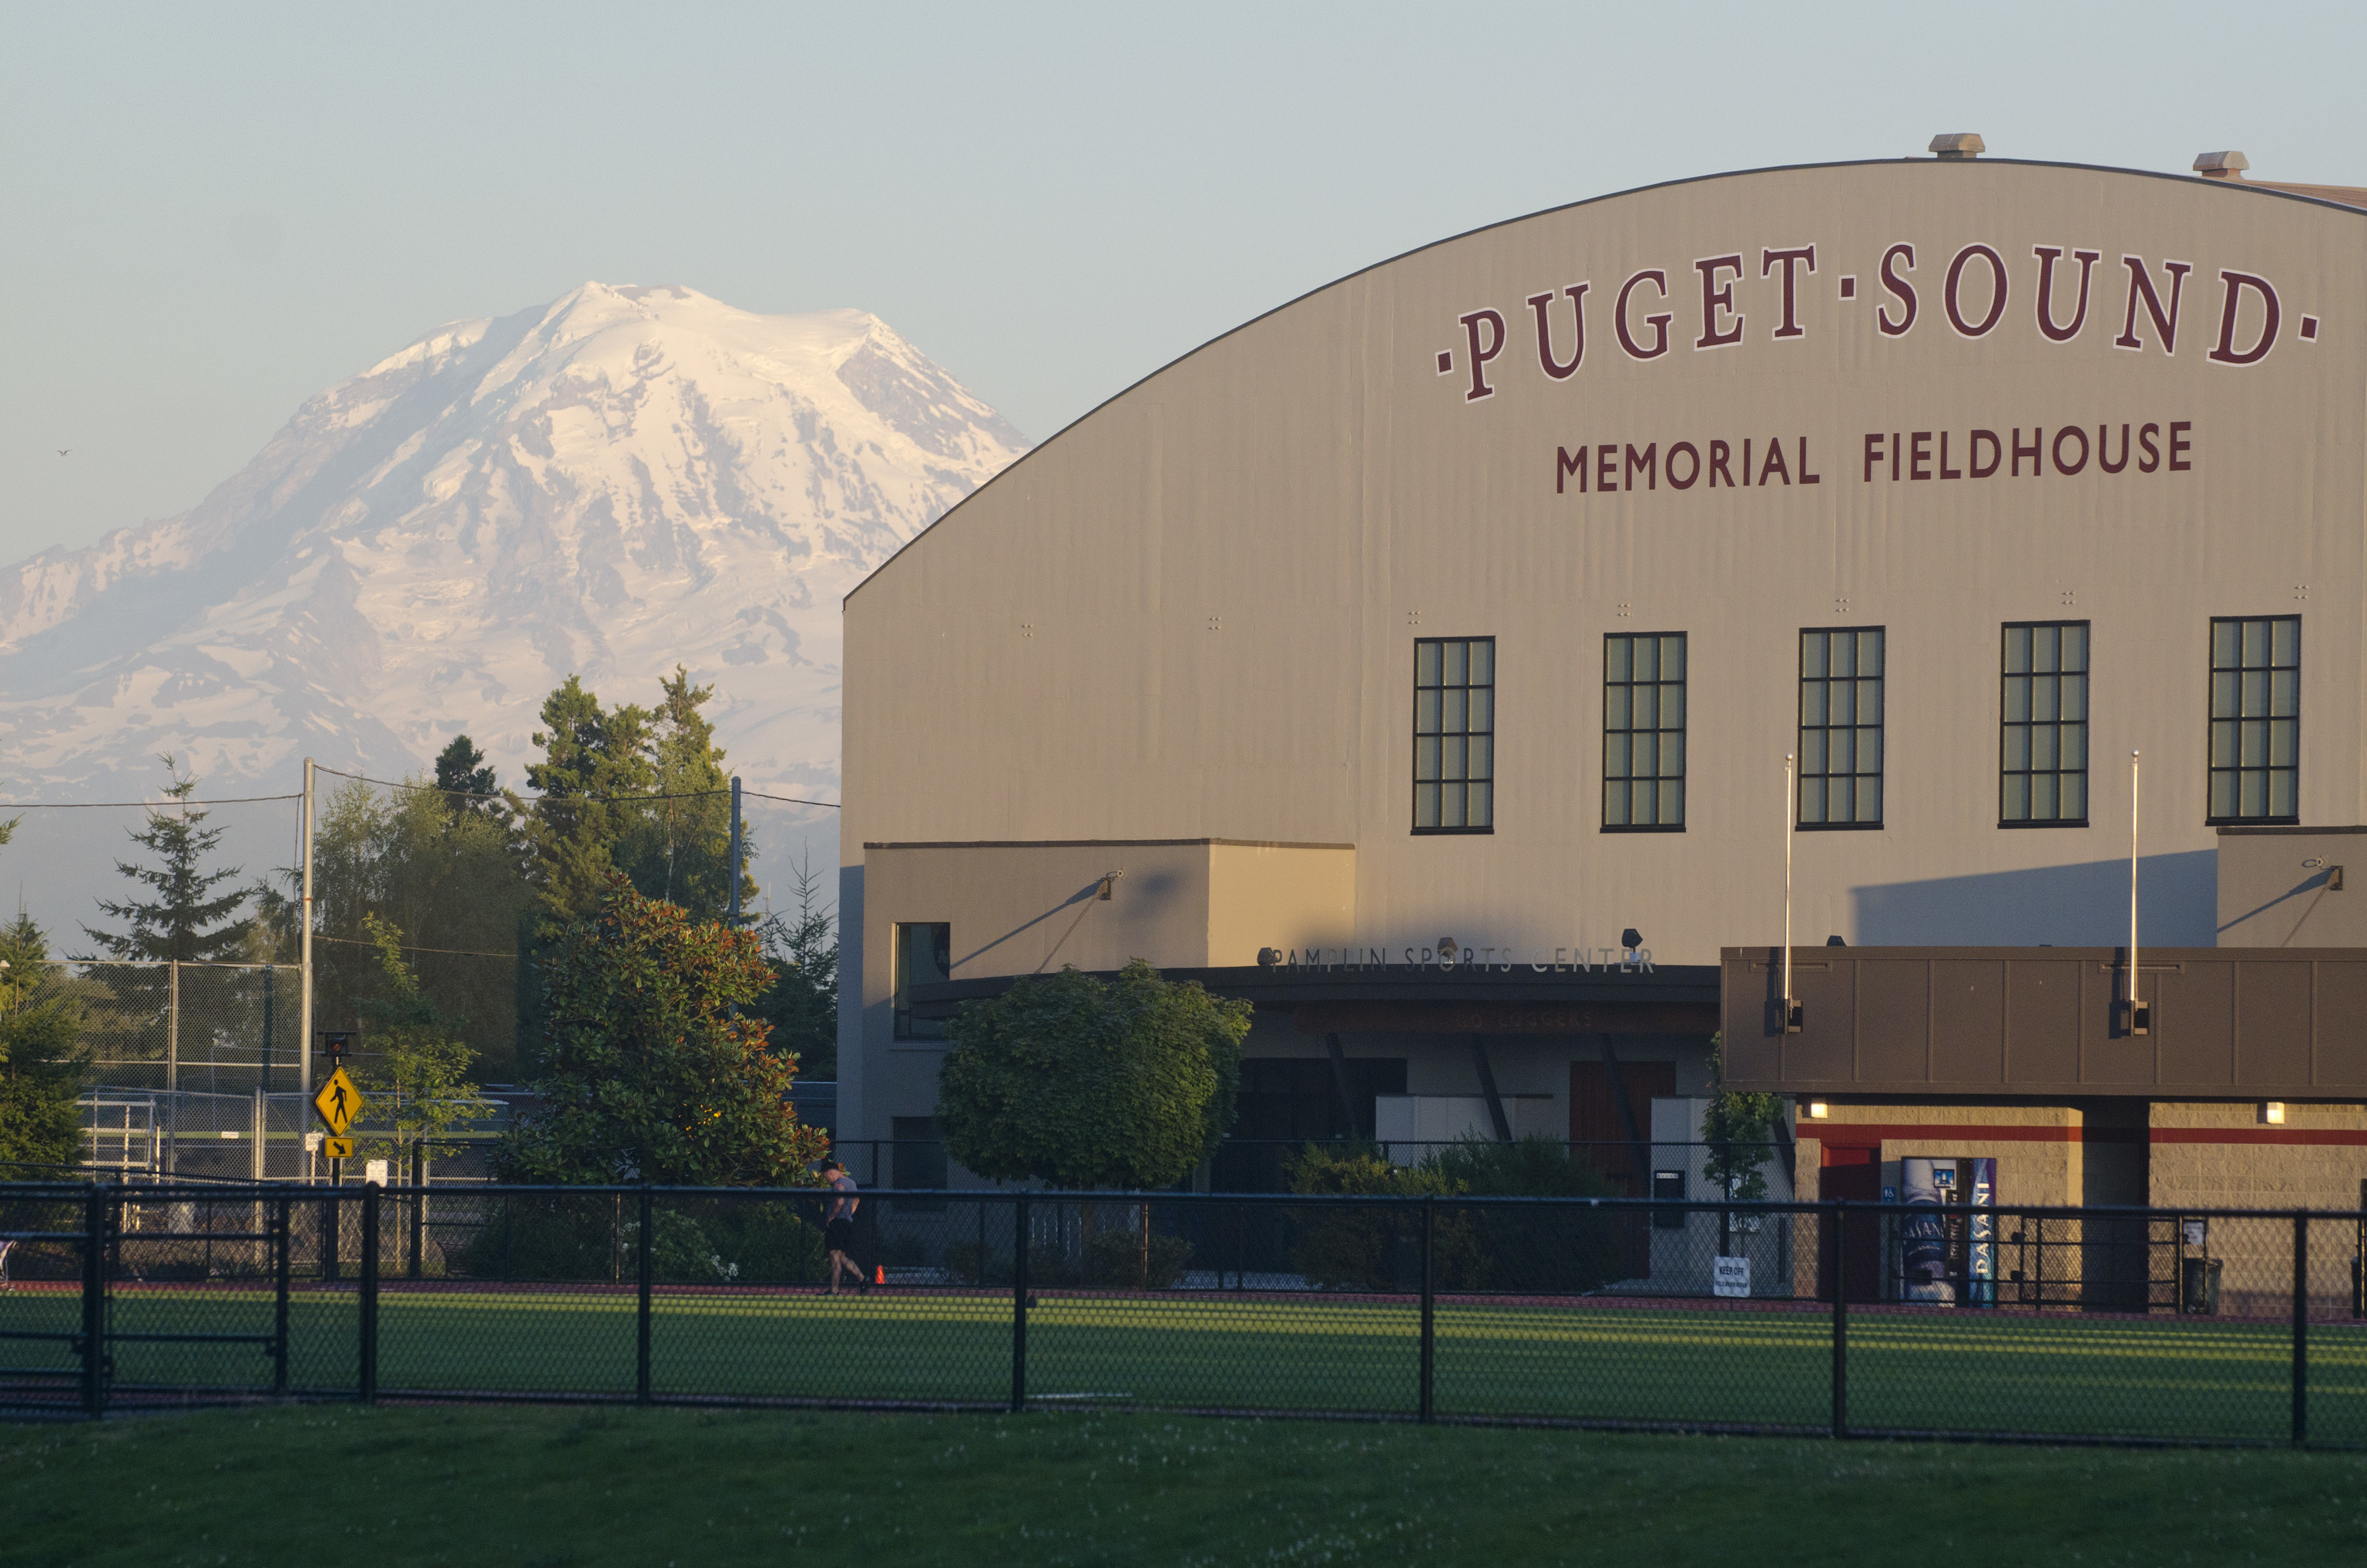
x,y
338,1104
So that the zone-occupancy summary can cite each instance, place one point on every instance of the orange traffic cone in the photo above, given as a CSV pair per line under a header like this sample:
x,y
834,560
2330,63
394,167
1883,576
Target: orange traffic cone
x,y
878,1274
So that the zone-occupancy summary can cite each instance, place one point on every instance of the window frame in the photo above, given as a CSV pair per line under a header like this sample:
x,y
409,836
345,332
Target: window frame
x,y
1414,759
2087,772
2210,769
1681,729
1800,727
903,1024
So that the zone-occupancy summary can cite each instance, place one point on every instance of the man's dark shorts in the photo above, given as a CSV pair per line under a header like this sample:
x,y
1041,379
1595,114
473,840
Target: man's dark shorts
x,y
839,1235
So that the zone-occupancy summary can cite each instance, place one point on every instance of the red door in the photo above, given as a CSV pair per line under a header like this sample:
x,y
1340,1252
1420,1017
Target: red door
x,y
1854,1174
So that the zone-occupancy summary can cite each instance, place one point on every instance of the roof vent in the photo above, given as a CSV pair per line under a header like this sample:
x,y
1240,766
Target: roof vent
x,y
1958,145
2221,165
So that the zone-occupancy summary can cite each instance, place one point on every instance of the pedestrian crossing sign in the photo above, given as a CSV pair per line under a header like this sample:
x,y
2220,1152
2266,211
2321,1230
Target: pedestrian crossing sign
x,y
338,1102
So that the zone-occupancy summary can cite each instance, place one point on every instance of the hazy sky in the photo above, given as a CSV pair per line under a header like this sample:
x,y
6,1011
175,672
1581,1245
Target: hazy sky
x,y
208,213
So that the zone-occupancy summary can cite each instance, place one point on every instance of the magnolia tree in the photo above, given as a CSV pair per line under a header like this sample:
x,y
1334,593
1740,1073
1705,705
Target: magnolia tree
x,y
653,1065
1081,1082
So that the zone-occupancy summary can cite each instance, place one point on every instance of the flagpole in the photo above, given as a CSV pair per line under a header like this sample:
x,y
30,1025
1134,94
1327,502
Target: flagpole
x,y
1789,812
2132,892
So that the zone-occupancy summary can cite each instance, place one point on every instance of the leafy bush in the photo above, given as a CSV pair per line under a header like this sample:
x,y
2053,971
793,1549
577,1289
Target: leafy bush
x,y
1540,1250
546,1237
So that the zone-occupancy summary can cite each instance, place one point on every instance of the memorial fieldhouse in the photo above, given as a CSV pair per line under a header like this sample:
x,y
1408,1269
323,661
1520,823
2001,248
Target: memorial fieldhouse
x,y
1450,659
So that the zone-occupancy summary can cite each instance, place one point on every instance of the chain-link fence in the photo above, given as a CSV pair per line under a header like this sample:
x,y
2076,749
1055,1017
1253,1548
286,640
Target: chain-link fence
x,y
220,1028
1849,1319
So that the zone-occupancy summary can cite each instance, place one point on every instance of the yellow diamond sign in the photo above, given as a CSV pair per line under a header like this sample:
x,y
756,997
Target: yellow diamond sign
x,y
338,1102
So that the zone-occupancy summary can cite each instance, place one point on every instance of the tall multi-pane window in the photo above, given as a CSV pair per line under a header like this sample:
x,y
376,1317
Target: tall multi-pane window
x,y
2042,751
1643,732
924,955
2256,718
1841,727
1454,734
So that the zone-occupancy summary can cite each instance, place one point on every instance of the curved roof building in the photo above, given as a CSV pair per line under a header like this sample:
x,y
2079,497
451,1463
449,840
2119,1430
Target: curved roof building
x,y
1523,590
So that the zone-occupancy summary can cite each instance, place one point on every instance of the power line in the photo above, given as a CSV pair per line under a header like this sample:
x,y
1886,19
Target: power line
x,y
507,795
405,947
150,805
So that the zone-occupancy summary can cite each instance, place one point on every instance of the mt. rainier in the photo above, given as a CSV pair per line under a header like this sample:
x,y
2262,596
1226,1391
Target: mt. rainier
x,y
623,480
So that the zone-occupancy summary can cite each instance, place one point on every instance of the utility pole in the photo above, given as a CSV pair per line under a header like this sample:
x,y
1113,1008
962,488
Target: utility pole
x,y
733,919
304,945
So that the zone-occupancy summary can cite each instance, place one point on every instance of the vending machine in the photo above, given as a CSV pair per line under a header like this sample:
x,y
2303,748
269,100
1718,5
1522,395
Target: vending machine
x,y
1947,1239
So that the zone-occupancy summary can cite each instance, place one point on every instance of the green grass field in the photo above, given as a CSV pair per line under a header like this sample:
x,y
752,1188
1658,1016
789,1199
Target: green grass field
x,y
2161,1378
556,1488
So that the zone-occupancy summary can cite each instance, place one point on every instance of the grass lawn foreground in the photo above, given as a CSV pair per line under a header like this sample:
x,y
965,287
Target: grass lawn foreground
x,y
316,1484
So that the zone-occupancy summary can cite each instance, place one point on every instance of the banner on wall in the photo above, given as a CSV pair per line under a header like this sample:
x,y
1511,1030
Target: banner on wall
x,y
1923,1234
1983,1262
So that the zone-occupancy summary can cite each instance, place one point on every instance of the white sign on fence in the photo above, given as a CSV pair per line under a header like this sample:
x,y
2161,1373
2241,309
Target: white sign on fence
x,y
1730,1276
374,1175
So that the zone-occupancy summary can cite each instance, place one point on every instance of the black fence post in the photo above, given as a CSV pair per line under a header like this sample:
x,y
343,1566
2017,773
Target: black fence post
x,y
368,1392
418,1209
331,1242
1429,1312
1837,1215
282,1267
94,1302
647,1273
2301,1329
1019,1305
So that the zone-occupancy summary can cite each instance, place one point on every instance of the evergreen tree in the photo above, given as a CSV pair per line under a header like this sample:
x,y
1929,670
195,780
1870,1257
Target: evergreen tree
x,y
802,1004
680,849
591,757
185,920
42,1055
467,780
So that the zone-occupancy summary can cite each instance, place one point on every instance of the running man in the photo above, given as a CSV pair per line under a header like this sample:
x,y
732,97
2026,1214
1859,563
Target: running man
x,y
838,1230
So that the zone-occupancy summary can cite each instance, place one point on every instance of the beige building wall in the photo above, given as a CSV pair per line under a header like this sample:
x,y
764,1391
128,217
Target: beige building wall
x,y
1193,612
2290,887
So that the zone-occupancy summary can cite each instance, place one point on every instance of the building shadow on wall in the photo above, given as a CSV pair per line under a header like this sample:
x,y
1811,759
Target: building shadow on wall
x,y
2079,905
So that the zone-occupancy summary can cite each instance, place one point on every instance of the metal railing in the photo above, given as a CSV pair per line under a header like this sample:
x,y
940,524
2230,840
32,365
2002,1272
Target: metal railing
x,y
1260,1165
1844,1319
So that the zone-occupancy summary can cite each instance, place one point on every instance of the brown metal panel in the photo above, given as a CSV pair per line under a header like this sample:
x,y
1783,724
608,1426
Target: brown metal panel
x,y
1752,1048
1825,1050
2340,1061
2273,1024
1894,1014
2043,1008
2109,1057
1968,1021
2193,1023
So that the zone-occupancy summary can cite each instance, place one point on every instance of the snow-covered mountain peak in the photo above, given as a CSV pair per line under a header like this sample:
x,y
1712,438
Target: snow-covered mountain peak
x,y
628,477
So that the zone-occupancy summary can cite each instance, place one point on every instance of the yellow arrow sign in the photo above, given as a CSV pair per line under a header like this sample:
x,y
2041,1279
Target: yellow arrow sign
x,y
337,1148
338,1102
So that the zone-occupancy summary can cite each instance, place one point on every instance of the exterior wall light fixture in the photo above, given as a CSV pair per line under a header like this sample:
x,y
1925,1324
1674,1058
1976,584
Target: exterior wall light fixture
x,y
2273,1112
1818,1111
